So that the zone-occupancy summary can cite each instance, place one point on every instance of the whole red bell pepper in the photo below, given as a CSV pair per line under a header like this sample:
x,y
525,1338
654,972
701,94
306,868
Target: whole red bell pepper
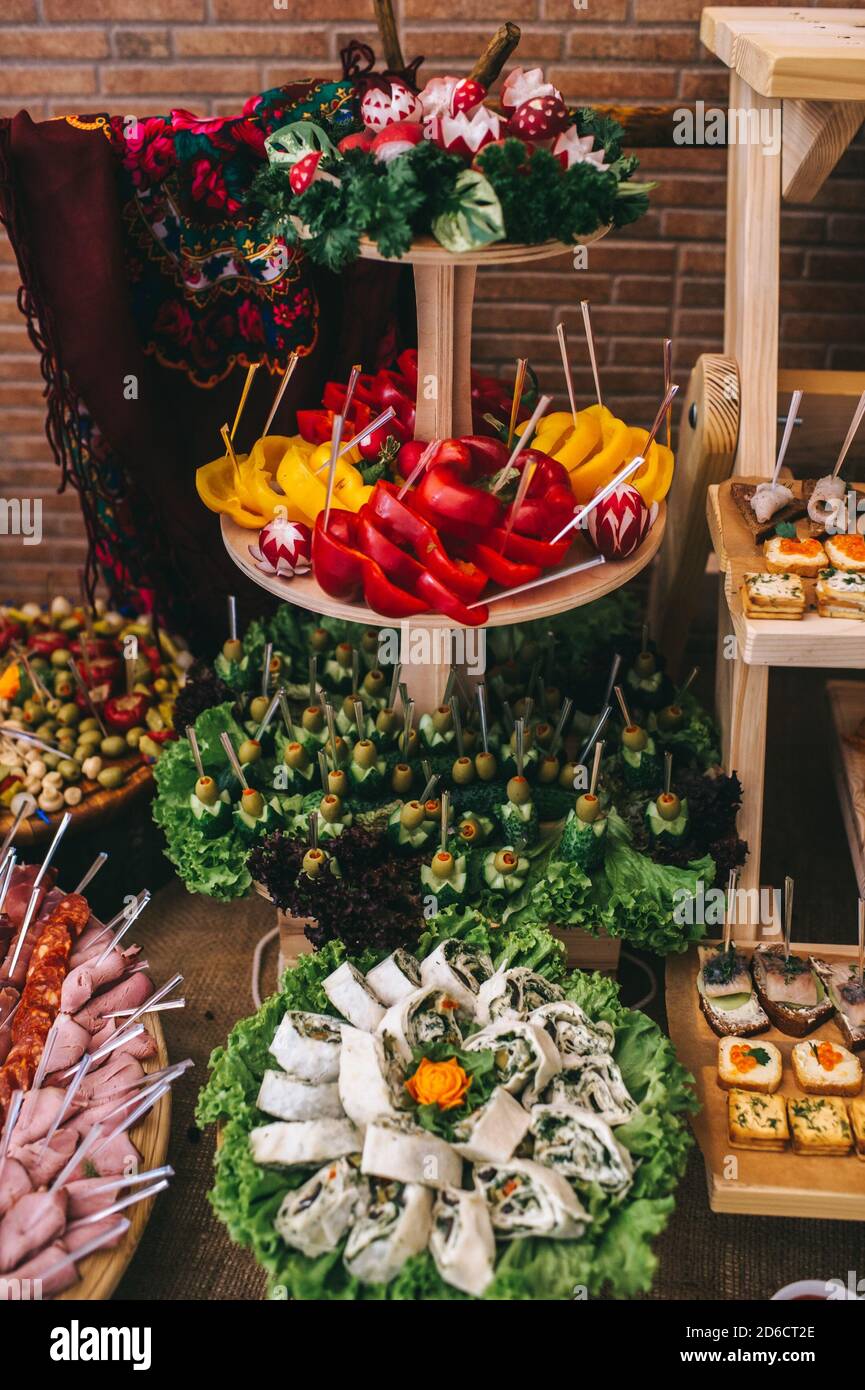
x,y
124,712
488,454
407,529
548,472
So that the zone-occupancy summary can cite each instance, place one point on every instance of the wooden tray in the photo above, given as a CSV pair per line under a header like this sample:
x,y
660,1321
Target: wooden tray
x,y
847,707
812,641
773,1184
425,250
91,811
102,1272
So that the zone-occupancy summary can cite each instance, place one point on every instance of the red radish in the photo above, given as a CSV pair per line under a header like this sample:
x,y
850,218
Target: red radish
x,y
284,548
522,85
437,96
361,140
539,119
396,139
466,135
467,94
572,148
620,523
306,172
379,108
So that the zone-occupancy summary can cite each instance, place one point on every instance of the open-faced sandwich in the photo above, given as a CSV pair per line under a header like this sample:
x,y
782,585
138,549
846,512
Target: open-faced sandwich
x,y
757,1121
790,991
790,555
841,594
727,995
856,1111
847,552
846,990
769,595
824,1069
749,1066
819,1126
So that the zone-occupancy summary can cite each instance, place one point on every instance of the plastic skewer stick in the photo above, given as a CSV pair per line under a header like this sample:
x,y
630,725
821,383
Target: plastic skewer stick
x,y
361,436
313,829
668,379
359,717
613,676
544,579
118,917
730,908
851,434
313,680
89,1248
123,1036
668,772
153,1098
792,412
524,439
91,1137
335,441
519,383
150,1083
285,711
91,872
7,873
458,725
788,914
595,734
232,617
135,911
32,740
626,714
561,723
265,668
322,770
148,1004
445,817
196,751
250,373
590,343
229,451
421,466
275,703
166,1005
121,1204
431,784
80,1073
350,389
566,367
225,740
280,392
394,686
134,1179
482,714
687,683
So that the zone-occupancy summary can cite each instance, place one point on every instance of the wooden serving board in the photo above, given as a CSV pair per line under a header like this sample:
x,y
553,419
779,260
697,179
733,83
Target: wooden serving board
x,y
847,706
102,1272
810,641
91,810
425,250
765,1184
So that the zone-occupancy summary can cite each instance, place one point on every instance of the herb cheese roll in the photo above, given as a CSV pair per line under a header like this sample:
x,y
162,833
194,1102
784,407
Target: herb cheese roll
x,y
370,1077
350,994
426,1016
394,977
525,1057
514,994
307,1046
573,1032
462,1242
493,1131
594,1084
400,1149
395,1226
459,969
314,1218
581,1147
289,1143
527,1199
286,1098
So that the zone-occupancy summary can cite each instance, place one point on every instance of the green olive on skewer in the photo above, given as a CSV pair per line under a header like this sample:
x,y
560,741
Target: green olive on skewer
x,y
337,782
206,790
249,751
258,708
296,756
412,815
313,862
442,864
319,639
401,779
634,738
463,771
486,766
519,791
232,649
505,861
330,808
364,753
252,802
312,719
548,769
588,807
374,682
387,721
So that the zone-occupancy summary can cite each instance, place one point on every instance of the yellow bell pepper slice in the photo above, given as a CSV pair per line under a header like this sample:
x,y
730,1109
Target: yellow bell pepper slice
x,y
305,494
219,486
570,443
653,480
349,489
597,470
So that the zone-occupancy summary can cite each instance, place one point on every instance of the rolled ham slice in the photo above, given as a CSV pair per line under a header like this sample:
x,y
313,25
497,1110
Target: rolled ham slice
x,y
128,994
83,1232
44,1163
69,1042
38,1112
85,980
19,1282
85,1199
36,1219
14,1182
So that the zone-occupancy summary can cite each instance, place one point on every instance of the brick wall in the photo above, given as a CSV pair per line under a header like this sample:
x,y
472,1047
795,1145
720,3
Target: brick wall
x,y
663,277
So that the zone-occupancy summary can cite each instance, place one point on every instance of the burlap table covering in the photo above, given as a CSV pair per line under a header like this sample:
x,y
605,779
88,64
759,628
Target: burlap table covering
x,y
185,1252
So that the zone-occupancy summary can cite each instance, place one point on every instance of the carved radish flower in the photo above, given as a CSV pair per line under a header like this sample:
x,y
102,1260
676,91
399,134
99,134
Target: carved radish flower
x,y
396,139
620,523
541,118
572,148
380,108
522,85
467,134
284,548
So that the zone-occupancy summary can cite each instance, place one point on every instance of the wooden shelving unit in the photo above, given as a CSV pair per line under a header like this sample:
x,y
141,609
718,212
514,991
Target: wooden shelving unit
x,y
847,708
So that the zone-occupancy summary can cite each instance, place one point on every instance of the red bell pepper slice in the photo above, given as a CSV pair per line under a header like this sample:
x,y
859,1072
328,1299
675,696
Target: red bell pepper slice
x,y
124,712
501,570
547,554
431,594
406,528
333,397
488,455
454,506
336,562
407,363
402,567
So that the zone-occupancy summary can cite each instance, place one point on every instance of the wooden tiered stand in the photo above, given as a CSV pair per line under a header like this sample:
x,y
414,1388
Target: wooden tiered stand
x,y
444,287
805,67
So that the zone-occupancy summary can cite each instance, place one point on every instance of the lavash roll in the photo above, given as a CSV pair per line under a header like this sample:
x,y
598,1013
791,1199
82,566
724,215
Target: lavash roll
x,y
581,1147
526,1058
401,1150
290,1143
307,1046
514,993
287,1098
369,1077
314,1218
573,1032
493,1131
459,969
425,1016
594,1084
462,1242
394,977
526,1199
395,1226
350,994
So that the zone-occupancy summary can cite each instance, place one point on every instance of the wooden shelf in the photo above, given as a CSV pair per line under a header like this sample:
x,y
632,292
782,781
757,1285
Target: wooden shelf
x,y
814,641
809,52
425,250
847,707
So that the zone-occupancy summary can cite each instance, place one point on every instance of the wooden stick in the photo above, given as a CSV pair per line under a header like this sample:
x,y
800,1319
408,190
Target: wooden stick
x,y
668,772
788,914
623,706
350,389
851,434
668,381
788,431
280,391
232,617
229,450
861,907
596,766
384,18
519,383
422,464
549,578
569,380
335,441
250,373
496,54
521,443
590,341
728,915
196,751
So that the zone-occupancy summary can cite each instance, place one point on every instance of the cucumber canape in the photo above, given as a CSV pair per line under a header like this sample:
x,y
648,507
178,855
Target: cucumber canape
x,y
505,871
210,807
437,729
408,827
254,817
445,877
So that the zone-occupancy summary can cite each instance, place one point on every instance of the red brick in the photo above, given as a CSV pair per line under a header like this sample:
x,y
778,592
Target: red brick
x,y
141,43
53,43
182,10
836,265
693,224
265,42
24,80
643,289
533,289
193,78
708,293
644,45
799,328
702,260
468,9
822,297
705,84
847,228
612,255
809,227
522,318
680,159
585,84
18,11
596,11
261,11
20,393
23,367
847,359
536,45
690,192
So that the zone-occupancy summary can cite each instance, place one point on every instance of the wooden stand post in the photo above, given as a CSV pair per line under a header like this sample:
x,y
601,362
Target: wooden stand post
x,y
445,295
